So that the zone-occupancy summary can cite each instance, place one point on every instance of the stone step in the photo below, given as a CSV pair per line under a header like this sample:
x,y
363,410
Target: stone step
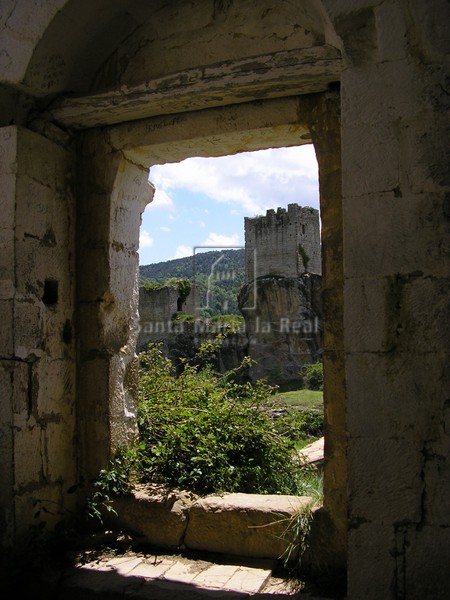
x,y
139,577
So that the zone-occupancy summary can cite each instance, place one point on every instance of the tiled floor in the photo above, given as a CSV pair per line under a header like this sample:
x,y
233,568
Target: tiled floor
x,y
144,577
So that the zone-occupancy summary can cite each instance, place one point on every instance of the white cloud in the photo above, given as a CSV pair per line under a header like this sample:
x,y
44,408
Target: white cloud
x,y
166,229
145,239
216,239
250,182
183,251
161,200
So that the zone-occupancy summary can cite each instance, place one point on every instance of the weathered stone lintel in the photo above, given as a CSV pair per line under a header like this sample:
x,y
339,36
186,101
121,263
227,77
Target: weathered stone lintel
x,y
286,73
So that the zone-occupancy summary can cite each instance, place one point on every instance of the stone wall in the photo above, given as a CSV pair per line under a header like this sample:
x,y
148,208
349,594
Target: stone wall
x,y
396,183
283,243
106,90
37,341
157,308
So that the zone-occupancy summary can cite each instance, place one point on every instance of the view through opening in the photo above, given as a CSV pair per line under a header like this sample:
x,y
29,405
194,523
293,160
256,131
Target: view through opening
x,y
231,246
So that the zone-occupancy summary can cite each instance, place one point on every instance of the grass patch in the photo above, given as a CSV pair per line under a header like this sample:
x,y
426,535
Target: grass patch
x,y
312,399
300,444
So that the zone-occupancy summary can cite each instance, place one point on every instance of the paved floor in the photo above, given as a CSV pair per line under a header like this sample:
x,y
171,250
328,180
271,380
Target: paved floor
x,y
110,565
137,576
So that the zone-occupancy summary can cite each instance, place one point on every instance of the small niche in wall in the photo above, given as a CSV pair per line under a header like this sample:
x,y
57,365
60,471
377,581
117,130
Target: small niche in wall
x,y
50,296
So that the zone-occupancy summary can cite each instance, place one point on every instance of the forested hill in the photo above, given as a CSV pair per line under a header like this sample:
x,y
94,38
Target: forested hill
x,y
219,275
201,264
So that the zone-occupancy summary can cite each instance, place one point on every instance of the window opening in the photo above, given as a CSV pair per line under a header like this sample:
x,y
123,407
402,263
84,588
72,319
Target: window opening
x,y
196,222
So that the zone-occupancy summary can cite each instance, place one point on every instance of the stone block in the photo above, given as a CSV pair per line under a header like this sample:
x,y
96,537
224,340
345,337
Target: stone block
x,y
35,208
371,562
6,462
39,504
243,524
94,376
42,161
56,389
130,185
124,383
391,31
364,315
437,479
365,104
384,400
371,154
154,513
28,453
6,392
8,200
381,243
395,315
425,572
22,380
7,261
384,480
6,330
95,282
60,459
429,22
28,331
8,161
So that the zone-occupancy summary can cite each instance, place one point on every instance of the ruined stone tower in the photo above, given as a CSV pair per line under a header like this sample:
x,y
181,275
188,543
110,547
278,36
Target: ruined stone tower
x,y
285,242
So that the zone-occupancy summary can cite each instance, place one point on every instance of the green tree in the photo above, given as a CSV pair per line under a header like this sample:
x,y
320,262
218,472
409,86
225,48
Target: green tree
x,y
312,375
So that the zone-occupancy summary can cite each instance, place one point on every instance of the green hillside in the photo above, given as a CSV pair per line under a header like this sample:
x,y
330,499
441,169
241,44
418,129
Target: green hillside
x,y
219,274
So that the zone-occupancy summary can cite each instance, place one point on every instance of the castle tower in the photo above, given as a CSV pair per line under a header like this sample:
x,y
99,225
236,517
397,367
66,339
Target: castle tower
x,y
285,242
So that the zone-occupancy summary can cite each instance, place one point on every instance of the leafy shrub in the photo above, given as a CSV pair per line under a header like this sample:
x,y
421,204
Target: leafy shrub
x,y
204,432
116,480
301,424
313,376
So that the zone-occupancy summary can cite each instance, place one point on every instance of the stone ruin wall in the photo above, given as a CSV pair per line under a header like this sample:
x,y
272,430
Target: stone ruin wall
x,y
156,309
285,242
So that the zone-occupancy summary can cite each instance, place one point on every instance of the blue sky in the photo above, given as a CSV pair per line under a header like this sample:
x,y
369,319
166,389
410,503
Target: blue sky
x,y
203,201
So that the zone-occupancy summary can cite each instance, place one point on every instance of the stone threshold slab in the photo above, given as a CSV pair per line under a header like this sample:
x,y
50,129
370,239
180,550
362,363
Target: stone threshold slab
x,y
236,524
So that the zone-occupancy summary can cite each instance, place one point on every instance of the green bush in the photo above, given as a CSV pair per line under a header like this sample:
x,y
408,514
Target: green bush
x,y
313,376
300,425
204,432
